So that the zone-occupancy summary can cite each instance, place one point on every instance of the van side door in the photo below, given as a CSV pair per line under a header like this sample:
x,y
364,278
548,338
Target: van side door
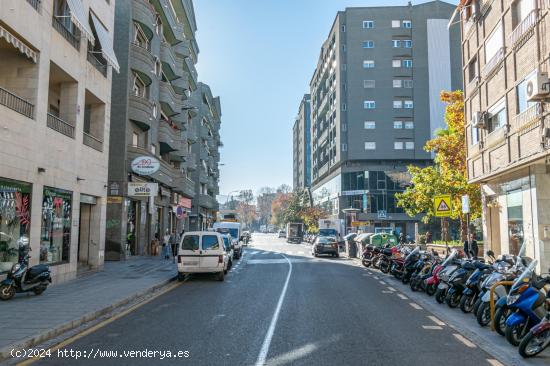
x,y
211,251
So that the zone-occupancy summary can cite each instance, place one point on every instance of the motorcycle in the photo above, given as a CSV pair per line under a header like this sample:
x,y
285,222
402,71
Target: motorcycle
x,y
470,294
21,278
458,281
538,337
432,282
424,271
444,277
409,266
398,263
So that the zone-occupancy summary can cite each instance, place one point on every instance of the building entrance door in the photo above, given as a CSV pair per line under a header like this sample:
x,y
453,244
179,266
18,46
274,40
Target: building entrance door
x,y
84,235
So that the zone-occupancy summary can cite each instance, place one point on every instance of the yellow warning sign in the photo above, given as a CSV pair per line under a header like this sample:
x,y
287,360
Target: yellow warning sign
x,y
442,205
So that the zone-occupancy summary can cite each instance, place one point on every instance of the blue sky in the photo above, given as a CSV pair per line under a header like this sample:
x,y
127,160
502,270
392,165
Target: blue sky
x,y
258,56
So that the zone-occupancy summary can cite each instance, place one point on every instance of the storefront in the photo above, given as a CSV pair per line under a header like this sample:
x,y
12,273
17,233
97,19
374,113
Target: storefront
x,y
15,219
55,234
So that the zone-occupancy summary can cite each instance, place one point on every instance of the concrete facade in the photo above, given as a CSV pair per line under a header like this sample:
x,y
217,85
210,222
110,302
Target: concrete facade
x,y
301,146
504,43
375,102
155,41
55,98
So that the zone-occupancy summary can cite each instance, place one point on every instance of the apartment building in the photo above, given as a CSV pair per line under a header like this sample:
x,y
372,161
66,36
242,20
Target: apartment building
x,y
150,188
56,65
205,156
505,55
301,147
374,104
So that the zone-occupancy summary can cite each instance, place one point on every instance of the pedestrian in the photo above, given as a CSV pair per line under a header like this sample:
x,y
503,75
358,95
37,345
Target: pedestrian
x,y
470,247
402,239
428,237
166,245
174,240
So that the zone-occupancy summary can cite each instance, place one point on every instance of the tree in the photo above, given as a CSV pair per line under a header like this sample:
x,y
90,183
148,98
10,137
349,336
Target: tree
x,y
279,207
448,175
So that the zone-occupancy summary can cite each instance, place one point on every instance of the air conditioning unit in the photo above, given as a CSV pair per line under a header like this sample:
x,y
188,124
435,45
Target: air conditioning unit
x,y
537,86
479,119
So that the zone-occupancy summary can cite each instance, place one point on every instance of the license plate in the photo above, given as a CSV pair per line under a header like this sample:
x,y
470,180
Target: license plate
x,y
190,263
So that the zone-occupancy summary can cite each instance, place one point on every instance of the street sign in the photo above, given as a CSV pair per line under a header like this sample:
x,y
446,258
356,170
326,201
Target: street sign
x,y
382,214
465,204
442,205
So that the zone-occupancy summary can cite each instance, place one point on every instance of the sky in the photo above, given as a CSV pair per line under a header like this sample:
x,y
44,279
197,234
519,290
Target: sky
x,y
259,56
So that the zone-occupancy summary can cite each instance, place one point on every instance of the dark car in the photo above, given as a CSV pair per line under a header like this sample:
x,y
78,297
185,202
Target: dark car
x,y
325,245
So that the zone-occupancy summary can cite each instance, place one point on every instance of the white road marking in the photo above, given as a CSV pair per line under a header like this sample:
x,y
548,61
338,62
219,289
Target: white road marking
x,y
392,289
382,282
416,306
403,297
494,362
435,320
463,340
269,335
387,292
375,277
432,327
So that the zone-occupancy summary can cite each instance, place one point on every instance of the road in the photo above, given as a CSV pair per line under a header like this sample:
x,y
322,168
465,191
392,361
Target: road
x,y
304,311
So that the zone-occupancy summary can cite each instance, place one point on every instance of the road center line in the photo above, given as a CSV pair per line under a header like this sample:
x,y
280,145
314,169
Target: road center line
x,y
269,335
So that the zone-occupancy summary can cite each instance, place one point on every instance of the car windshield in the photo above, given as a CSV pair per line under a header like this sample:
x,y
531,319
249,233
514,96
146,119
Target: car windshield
x,y
210,242
234,233
327,232
525,276
190,242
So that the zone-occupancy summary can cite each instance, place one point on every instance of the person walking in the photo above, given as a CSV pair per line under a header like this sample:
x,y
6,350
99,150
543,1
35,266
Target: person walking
x,y
470,247
402,239
166,249
174,241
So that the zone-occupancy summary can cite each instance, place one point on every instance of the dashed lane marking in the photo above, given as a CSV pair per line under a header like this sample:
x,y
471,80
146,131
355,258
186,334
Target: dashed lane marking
x,y
432,327
403,297
494,362
391,289
382,283
387,292
416,306
435,320
375,277
464,341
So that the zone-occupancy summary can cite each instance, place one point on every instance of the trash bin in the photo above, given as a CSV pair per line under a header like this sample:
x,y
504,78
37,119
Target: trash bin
x,y
351,248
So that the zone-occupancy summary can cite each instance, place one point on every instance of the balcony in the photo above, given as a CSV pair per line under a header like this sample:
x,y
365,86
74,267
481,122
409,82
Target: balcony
x,y
171,68
61,26
493,64
204,153
186,187
173,30
144,13
36,4
93,142
191,161
140,111
207,201
192,135
99,65
142,60
192,71
57,124
181,85
527,119
16,103
183,48
524,29
169,138
472,86
171,102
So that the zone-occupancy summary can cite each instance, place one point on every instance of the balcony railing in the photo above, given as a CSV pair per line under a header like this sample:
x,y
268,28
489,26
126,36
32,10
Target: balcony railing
x,y
36,4
102,68
524,28
57,124
72,38
493,63
93,142
525,118
16,103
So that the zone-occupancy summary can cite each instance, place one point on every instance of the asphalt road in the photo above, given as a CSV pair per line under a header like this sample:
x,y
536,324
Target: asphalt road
x,y
331,312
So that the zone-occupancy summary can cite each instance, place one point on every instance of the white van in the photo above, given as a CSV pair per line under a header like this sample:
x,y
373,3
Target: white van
x,y
234,229
202,252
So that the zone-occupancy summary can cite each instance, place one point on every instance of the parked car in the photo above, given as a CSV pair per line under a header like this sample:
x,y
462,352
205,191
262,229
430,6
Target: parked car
x,y
325,245
202,252
229,251
282,234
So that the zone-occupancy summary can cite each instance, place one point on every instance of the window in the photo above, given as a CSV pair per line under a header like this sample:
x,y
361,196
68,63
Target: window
x,y
494,43
409,125
190,242
370,125
55,236
407,84
521,9
369,83
135,139
409,145
158,26
497,115
472,69
154,149
397,83
395,24
369,104
344,147
407,24
407,43
368,44
368,64
521,91
344,107
140,38
210,242
396,63
370,145
408,104
475,135
368,24
344,28
408,63
397,104
398,145
396,43
397,125
138,87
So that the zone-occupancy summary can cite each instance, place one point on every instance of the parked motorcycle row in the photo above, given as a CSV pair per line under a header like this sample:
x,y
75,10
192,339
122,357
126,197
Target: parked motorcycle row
x,y
521,298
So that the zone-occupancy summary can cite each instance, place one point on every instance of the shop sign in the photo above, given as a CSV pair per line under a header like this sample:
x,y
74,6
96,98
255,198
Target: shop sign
x,y
114,199
90,200
115,189
142,189
185,202
360,223
354,193
145,165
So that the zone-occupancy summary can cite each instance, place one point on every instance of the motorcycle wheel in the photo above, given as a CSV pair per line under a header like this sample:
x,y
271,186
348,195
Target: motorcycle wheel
x,y
39,290
467,303
398,274
430,289
476,305
384,267
440,296
6,292
414,284
515,334
484,314
366,263
452,299
405,279
501,314
532,345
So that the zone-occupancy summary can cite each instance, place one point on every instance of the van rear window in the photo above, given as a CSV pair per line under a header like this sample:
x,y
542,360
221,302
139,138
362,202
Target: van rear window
x,y
190,242
210,242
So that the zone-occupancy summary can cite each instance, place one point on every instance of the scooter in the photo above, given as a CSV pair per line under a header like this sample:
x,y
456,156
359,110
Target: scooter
x,y
432,282
409,267
444,277
21,278
538,337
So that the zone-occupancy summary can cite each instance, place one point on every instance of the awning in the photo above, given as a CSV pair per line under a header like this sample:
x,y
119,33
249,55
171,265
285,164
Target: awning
x,y
79,18
17,43
106,43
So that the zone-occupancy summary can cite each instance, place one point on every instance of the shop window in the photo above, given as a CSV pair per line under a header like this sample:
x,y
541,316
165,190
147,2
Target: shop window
x,y
55,237
15,220
514,203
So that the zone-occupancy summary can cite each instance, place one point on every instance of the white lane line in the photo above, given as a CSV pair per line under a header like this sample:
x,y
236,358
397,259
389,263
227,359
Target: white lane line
x,y
387,292
375,277
432,327
494,362
403,297
416,306
382,283
391,289
269,335
463,340
435,320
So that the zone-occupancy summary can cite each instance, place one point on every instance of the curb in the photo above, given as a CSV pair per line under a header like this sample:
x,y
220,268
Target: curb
x,y
5,353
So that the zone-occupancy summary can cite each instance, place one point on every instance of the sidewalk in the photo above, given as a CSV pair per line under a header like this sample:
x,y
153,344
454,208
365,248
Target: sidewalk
x,y
28,320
